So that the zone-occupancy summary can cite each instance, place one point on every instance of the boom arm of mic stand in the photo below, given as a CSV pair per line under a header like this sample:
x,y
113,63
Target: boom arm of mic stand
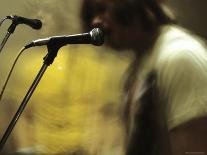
x,y
48,59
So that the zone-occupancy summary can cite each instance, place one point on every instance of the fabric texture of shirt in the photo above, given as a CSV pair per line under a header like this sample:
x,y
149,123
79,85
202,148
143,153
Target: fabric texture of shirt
x,y
179,59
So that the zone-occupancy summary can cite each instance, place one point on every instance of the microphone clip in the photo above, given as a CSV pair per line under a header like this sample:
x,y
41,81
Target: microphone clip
x,y
12,27
53,48
15,22
15,19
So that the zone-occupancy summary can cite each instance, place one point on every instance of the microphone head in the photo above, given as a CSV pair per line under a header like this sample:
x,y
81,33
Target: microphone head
x,y
34,23
37,24
97,37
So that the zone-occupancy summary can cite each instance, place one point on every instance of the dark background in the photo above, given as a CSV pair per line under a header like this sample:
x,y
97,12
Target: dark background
x,y
191,14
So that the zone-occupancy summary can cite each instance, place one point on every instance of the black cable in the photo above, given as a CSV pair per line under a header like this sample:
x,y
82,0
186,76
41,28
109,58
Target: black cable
x,y
10,72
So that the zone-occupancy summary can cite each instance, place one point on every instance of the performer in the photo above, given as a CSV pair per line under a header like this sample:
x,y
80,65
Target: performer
x,y
165,111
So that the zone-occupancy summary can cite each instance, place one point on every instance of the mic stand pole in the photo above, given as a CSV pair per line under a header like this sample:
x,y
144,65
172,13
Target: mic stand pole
x,y
9,32
48,59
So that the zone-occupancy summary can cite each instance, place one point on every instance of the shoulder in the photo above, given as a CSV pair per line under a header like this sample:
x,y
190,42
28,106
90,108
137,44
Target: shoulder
x,y
182,76
180,49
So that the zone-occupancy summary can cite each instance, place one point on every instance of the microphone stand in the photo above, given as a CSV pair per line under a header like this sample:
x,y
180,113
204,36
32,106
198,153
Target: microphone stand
x,y
53,48
9,32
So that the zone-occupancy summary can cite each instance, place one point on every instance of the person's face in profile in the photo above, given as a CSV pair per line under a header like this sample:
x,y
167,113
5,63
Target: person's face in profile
x,y
119,35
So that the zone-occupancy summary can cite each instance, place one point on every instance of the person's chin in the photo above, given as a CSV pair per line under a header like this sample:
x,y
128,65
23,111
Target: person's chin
x,y
112,42
116,46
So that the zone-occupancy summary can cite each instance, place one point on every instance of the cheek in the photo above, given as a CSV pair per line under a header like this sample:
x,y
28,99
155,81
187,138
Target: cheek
x,y
124,35
120,37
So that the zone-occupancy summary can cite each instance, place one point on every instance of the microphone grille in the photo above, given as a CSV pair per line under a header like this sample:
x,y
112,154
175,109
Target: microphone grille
x,y
37,24
97,37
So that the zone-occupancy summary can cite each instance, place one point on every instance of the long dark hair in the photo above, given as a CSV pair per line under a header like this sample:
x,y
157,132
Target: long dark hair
x,y
150,12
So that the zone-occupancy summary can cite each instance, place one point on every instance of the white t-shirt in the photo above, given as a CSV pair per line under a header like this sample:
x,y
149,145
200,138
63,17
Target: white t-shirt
x,y
179,59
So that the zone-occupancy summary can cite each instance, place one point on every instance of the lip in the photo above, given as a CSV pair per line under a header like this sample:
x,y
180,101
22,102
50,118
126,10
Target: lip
x,y
107,35
104,29
106,32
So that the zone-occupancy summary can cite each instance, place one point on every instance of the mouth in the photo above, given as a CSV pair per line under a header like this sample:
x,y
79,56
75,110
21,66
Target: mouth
x,y
107,34
105,30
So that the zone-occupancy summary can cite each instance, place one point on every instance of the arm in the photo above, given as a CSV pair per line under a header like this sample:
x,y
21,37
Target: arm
x,y
184,79
190,138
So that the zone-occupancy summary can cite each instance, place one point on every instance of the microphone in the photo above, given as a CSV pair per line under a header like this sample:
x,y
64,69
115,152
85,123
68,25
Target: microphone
x,y
95,37
34,23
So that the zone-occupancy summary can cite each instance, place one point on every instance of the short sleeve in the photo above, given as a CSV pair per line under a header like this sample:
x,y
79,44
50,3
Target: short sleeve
x,y
182,78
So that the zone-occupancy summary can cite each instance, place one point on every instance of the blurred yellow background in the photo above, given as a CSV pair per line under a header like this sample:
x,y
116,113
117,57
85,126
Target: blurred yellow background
x,y
75,107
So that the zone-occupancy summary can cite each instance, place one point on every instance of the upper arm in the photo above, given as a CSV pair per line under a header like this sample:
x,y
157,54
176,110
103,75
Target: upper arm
x,y
183,81
190,138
